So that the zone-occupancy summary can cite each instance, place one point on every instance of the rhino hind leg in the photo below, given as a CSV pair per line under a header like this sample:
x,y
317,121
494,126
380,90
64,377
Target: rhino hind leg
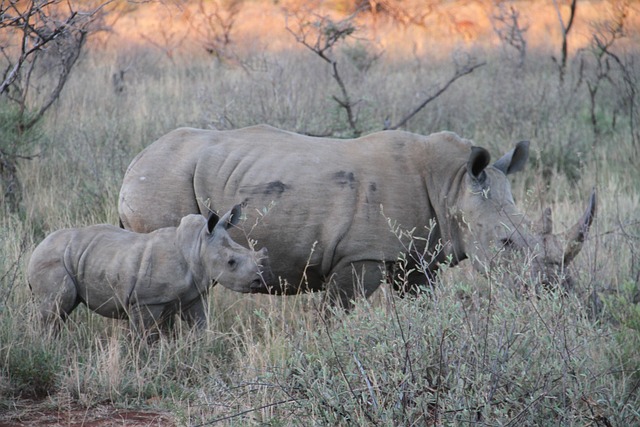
x,y
55,307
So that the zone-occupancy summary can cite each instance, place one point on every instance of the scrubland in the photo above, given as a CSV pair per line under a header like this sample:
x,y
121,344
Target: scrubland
x,y
470,351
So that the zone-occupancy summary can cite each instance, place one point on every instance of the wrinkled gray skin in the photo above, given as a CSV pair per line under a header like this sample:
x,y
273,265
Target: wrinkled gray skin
x,y
147,278
331,200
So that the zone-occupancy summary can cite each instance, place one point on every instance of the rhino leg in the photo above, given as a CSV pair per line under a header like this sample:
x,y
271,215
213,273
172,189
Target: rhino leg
x,y
416,283
147,321
195,314
55,307
354,280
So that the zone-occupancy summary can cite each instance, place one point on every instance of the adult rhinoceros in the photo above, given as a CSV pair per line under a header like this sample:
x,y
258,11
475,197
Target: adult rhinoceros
x,y
146,278
332,204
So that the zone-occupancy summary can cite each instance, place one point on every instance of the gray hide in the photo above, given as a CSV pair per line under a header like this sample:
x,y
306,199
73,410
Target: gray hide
x,y
325,208
144,277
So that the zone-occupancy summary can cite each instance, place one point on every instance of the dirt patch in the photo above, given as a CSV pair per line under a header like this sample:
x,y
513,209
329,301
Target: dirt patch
x,y
99,416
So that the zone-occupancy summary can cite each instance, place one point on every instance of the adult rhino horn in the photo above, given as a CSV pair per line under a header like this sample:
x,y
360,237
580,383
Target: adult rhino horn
x,y
576,236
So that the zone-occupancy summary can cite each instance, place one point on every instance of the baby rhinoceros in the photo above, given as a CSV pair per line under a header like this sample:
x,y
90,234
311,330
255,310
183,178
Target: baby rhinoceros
x,y
147,278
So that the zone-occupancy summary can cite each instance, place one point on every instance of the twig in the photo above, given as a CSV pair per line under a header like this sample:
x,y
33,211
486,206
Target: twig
x,y
374,401
440,371
456,76
342,369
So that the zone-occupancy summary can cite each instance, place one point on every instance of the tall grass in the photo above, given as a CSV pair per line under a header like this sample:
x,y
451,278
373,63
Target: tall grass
x,y
471,351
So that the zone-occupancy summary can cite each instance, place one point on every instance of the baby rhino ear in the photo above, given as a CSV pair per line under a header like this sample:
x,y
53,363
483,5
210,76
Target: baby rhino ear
x,y
212,222
227,221
236,213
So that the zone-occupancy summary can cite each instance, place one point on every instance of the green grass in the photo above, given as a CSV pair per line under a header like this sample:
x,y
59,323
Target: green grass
x,y
473,351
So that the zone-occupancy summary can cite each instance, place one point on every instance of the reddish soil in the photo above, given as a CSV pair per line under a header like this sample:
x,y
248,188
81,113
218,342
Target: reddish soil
x,y
99,416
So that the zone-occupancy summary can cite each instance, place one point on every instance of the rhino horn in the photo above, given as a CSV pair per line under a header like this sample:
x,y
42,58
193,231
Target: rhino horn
x,y
576,236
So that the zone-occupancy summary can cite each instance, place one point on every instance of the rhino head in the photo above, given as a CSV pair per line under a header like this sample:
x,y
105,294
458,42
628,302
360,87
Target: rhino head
x,y
220,259
556,251
493,232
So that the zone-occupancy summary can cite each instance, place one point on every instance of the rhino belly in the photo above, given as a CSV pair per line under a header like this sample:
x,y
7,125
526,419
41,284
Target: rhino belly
x,y
102,295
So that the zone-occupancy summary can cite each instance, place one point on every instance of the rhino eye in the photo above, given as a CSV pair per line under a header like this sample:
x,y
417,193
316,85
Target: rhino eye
x,y
232,263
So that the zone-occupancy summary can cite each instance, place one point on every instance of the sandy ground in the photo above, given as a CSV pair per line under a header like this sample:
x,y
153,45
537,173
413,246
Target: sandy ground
x,y
37,414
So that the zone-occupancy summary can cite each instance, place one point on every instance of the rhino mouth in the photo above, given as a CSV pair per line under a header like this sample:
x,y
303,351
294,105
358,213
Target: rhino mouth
x,y
257,286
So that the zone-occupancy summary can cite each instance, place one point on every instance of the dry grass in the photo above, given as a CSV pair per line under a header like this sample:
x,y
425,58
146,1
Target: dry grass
x,y
473,351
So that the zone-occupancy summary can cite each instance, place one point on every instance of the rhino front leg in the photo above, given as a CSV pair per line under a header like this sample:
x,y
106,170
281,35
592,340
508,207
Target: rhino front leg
x,y
413,284
146,321
196,313
354,280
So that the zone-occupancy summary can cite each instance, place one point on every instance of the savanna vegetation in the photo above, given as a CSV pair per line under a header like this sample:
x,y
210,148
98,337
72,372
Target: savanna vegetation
x,y
471,351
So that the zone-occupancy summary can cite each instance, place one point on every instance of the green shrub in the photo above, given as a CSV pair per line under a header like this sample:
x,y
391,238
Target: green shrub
x,y
16,143
31,370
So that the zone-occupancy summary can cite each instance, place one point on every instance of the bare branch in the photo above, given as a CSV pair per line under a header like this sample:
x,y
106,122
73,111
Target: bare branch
x,y
214,24
507,26
320,35
460,72
565,34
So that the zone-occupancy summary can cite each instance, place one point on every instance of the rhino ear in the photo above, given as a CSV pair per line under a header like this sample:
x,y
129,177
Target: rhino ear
x,y
228,220
234,219
515,160
212,221
478,161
